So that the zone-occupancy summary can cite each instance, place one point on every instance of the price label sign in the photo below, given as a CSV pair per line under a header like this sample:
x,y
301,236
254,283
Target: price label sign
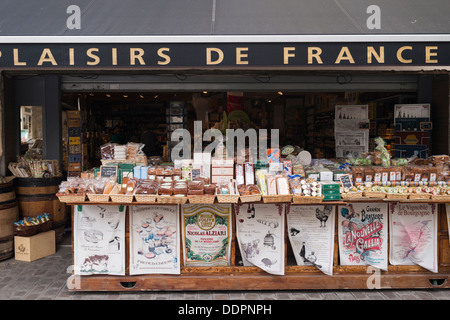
x,y
346,181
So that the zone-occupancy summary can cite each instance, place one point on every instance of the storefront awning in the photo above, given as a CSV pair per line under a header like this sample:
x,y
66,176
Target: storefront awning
x,y
25,21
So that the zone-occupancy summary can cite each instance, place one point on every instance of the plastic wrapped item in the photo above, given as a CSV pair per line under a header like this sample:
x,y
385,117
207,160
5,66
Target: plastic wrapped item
x,y
195,185
107,151
282,185
210,188
194,192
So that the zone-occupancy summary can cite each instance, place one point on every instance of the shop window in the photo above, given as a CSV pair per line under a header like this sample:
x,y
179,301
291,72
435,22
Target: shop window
x,y
31,130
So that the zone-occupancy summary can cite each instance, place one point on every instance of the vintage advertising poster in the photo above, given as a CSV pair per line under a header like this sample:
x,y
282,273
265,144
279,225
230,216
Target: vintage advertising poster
x,y
311,234
207,231
260,233
413,234
99,239
362,234
154,240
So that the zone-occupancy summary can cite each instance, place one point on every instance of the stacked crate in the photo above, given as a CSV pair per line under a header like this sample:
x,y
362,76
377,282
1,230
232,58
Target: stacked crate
x,y
74,166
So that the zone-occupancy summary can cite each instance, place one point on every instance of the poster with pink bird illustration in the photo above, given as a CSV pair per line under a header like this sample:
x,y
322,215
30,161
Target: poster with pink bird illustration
x,y
413,238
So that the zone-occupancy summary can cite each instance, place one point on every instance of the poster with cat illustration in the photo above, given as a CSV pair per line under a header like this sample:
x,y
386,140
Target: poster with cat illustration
x,y
413,234
99,239
362,234
154,240
260,234
311,234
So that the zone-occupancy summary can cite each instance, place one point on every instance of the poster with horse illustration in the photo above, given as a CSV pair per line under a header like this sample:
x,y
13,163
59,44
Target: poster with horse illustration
x,y
362,234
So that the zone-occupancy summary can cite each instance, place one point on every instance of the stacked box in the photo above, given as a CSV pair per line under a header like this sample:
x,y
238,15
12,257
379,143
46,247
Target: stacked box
x,y
331,191
75,157
222,170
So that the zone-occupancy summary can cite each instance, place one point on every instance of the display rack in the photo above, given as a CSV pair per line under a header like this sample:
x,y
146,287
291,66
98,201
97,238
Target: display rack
x,y
238,277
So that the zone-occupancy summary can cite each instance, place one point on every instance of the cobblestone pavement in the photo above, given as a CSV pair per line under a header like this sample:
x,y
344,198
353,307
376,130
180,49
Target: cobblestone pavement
x,y
45,279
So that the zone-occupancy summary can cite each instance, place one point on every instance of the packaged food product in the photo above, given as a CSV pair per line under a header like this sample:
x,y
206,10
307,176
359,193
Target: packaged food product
x,y
195,185
249,173
358,174
282,185
210,188
407,174
180,189
165,189
193,192
271,181
368,174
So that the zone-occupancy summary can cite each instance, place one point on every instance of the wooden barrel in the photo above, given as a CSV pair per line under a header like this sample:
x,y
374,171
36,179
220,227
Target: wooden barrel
x,y
9,213
36,196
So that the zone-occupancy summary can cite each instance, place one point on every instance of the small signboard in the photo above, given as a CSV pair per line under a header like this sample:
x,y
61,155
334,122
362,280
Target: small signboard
x,y
346,181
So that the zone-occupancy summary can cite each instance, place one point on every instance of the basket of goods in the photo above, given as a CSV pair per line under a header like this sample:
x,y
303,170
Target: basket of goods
x,y
277,189
397,193
305,190
196,192
30,226
249,193
441,193
351,193
98,189
371,191
420,193
72,190
146,190
124,192
227,193
172,192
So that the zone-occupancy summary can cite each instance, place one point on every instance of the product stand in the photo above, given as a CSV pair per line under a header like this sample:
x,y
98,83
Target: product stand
x,y
237,277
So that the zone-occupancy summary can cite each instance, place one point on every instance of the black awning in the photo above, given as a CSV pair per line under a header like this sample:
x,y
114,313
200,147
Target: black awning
x,y
222,17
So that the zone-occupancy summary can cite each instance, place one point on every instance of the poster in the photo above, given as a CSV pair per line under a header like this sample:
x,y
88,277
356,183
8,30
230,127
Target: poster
x,y
154,240
260,233
207,231
311,234
362,234
413,234
99,239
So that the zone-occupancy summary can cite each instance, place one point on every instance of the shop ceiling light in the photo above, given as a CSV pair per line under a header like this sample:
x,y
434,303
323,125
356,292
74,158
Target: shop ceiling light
x,y
280,93
125,96
108,95
141,96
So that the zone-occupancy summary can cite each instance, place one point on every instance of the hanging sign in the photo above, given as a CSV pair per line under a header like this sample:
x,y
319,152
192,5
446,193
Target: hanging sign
x,y
413,234
154,240
207,231
260,234
362,234
311,234
99,240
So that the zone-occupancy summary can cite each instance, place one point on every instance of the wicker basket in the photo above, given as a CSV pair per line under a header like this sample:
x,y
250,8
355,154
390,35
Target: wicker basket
x,y
374,194
250,198
441,197
45,226
121,198
277,198
206,198
71,197
26,231
227,198
93,197
303,199
145,197
397,196
171,199
352,195
419,196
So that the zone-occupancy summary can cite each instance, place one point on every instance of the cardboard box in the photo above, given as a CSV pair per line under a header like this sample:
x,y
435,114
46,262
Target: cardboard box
x,y
35,247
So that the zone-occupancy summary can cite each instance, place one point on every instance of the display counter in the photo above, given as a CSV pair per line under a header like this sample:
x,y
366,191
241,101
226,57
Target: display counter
x,y
235,273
